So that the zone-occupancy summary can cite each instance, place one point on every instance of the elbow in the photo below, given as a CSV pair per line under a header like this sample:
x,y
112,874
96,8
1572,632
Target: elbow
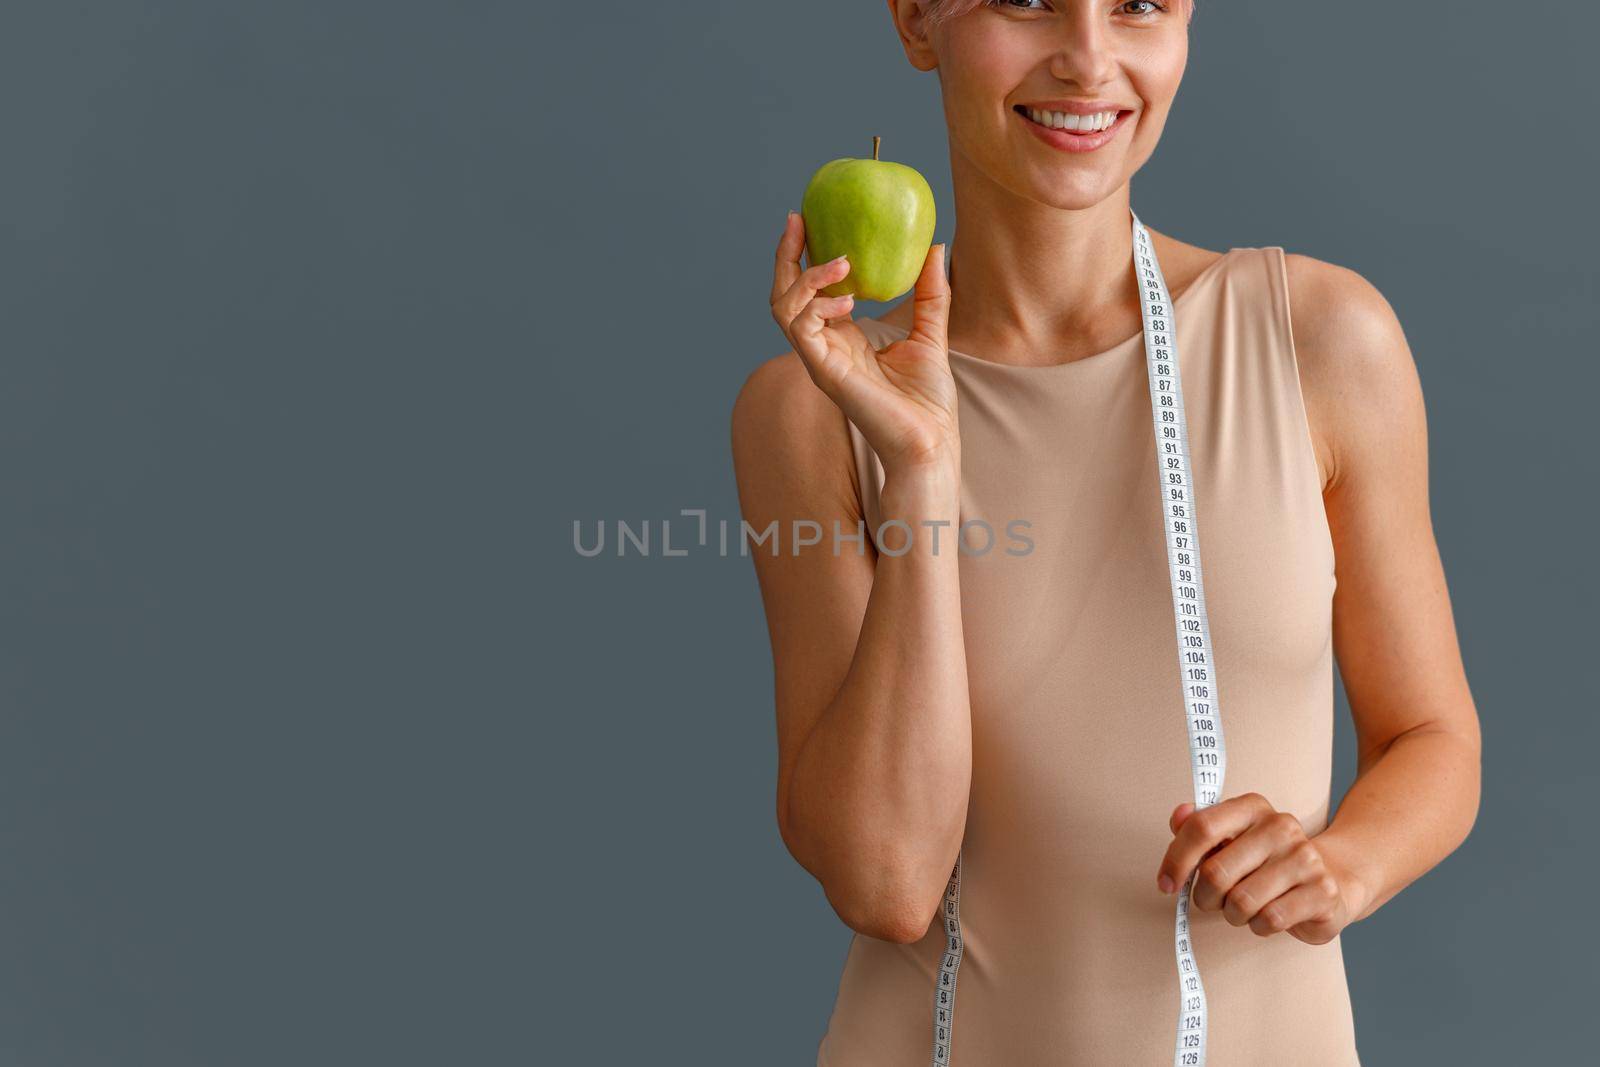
x,y
1471,745
891,900
1474,802
901,925
890,909
909,932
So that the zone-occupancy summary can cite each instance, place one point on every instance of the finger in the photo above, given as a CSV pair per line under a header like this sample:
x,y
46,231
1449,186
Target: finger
x,y
807,327
1308,911
815,316
930,302
1205,830
1179,814
837,318
1221,872
787,267
827,367
1281,872
1277,834
805,288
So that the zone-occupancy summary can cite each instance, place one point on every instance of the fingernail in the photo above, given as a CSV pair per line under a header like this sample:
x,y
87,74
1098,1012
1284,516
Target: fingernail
x,y
1166,883
839,259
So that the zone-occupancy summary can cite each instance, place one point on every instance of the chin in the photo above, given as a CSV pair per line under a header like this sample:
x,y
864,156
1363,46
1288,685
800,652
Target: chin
x,y
1076,192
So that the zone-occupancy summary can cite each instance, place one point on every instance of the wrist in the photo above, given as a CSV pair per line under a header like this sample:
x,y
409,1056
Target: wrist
x,y
925,502
1357,884
940,477
930,490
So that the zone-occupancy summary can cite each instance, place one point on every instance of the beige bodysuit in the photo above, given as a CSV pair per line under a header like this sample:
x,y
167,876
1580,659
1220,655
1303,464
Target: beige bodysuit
x,y
1068,944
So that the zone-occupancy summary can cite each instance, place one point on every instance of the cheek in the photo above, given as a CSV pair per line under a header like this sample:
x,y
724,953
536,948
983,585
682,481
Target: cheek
x,y
981,67
1157,71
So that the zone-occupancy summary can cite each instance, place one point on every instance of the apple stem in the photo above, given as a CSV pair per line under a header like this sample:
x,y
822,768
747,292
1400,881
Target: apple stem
x,y
875,141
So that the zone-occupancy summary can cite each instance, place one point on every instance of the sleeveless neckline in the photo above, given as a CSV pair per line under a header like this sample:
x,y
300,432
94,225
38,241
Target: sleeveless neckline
x,y
963,359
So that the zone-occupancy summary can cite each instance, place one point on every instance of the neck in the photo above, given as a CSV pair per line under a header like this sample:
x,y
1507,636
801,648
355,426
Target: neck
x,y
1043,282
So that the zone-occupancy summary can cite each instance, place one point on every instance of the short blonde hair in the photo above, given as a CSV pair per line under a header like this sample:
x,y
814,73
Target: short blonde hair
x,y
939,10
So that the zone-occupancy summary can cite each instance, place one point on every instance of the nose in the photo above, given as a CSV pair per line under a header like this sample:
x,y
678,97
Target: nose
x,y
1084,54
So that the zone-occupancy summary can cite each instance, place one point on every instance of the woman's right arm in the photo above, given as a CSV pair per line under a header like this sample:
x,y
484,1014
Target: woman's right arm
x,y
874,724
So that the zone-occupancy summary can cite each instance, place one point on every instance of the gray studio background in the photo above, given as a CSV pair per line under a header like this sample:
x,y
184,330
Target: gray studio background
x,y
322,322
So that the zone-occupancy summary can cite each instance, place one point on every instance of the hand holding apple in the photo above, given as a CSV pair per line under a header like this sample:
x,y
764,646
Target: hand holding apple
x,y
902,399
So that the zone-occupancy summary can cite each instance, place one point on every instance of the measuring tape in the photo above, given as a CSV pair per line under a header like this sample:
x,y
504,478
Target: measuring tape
x,y
1207,755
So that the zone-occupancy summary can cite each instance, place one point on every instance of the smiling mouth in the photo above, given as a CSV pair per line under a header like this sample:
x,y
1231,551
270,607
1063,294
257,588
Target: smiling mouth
x,y
1068,122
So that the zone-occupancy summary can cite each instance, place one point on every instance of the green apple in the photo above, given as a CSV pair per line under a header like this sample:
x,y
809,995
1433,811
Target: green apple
x,y
879,214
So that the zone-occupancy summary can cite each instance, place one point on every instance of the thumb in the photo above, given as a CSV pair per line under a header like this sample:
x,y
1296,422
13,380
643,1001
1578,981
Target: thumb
x,y
1180,815
930,302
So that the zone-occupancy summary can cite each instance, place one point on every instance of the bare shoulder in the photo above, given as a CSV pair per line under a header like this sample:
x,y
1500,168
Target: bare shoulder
x,y
1181,262
790,440
779,411
1357,373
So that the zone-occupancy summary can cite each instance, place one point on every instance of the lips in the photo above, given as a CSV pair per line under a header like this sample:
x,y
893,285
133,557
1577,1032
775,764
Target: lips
x,y
1078,130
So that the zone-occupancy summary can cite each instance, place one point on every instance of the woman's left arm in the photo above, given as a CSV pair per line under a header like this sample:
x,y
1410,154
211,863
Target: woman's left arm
x,y
1415,797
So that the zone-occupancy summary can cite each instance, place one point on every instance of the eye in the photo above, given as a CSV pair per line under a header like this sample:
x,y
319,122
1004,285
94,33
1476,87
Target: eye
x,y
1141,7
1007,5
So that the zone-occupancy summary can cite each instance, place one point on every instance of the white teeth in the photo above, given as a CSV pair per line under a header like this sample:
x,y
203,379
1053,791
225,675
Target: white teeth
x,y
1064,120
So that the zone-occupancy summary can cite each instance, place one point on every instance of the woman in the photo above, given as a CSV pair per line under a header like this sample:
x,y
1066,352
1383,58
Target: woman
x,y
1019,709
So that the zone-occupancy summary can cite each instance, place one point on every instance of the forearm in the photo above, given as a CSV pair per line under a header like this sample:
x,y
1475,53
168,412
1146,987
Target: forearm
x,y
1409,809
878,798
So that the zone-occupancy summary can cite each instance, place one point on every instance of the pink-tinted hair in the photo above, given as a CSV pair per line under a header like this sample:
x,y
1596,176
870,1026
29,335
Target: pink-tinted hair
x,y
938,10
